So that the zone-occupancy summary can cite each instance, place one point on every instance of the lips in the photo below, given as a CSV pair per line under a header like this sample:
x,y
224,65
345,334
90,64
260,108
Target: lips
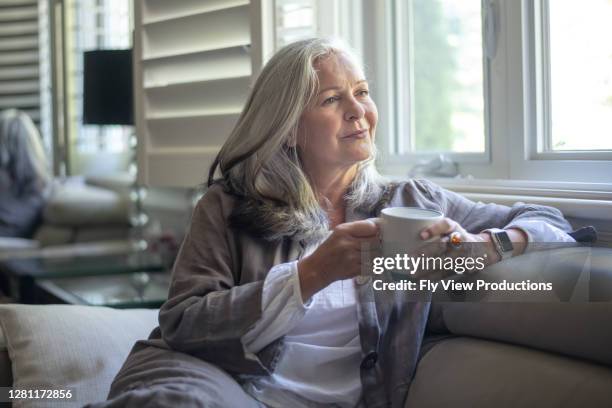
x,y
359,134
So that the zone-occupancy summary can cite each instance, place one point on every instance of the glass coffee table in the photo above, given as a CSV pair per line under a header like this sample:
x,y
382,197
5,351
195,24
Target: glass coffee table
x,y
142,289
122,280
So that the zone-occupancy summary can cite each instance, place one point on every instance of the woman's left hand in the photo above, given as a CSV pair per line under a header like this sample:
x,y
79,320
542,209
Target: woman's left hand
x,y
468,245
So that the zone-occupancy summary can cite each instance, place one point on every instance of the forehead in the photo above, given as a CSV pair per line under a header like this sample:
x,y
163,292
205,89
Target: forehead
x,y
337,69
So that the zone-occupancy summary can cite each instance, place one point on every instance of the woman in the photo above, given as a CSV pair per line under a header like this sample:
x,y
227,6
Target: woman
x,y
263,309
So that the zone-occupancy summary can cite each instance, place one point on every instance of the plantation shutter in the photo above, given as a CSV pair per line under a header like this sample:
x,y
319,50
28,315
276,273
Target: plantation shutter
x,y
19,57
193,65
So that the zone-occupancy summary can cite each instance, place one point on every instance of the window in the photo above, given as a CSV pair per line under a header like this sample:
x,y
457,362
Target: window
x,y
517,90
439,71
91,25
299,19
558,55
580,45
295,20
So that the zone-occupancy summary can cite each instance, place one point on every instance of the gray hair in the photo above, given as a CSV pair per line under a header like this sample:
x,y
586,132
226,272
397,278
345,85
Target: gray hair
x,y
260,163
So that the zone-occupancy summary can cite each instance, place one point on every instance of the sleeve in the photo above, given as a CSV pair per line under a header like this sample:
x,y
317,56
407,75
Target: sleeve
x,y
282,307
540,223
206,314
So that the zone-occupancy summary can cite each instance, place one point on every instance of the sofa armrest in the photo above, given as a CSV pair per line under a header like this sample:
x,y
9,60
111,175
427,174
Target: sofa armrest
x,y
574,320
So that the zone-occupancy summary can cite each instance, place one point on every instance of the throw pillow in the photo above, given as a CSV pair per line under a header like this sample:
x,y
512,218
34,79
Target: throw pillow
x,y
70,347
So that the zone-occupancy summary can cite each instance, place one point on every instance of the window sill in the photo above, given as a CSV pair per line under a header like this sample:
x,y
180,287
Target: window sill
x,y
575,200
552,189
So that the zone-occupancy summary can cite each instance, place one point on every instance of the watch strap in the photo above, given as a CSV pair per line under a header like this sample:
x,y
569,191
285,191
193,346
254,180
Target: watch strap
x,y
502,243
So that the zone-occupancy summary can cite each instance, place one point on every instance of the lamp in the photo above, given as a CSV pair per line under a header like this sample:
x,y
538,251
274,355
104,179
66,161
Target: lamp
x,y
108,87
108,100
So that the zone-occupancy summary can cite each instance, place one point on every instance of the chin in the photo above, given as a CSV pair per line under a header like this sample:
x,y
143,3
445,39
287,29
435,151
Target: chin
x,y
362,152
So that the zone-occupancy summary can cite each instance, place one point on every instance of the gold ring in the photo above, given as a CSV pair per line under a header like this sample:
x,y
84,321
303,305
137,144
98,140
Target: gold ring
x,y
455,239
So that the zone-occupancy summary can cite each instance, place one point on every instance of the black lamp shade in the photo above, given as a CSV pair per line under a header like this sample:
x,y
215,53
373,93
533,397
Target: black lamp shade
x,y
107,89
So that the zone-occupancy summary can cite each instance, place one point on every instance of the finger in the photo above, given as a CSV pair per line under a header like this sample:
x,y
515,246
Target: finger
x,y
375,243
377,220
442,227
449,250
370,244
434,248
361,229
362,244
453,251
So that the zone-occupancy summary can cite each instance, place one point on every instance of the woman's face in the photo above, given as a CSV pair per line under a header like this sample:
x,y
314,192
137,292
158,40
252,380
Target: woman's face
x,y
337,130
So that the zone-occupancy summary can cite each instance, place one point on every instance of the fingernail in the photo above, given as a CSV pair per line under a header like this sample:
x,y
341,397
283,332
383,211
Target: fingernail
x,y
424,235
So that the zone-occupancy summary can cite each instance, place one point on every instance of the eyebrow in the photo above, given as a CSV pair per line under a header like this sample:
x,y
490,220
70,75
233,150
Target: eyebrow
x,y
338,87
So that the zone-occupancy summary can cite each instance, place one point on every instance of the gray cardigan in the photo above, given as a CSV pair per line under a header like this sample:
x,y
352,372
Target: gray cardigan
x,y
215,296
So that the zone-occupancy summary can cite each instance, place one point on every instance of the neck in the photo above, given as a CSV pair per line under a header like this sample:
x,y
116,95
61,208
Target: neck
x,y
331,186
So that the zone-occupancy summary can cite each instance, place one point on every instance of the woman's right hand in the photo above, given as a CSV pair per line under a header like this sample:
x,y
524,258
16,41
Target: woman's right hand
x,y
338,257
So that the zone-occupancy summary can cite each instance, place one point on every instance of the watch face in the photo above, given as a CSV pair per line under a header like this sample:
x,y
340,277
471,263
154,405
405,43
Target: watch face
x,y
504,241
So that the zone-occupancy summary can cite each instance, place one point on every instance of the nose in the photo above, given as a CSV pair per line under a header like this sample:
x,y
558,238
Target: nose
x,y
354,110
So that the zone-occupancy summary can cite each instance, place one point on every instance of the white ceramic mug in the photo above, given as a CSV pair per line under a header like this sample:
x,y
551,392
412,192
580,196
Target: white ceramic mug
x,y
401,227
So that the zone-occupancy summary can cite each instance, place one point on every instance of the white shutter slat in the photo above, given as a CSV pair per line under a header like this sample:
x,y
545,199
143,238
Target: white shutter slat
x,y
19,13
207,65
16,73
20,28
19,57
167,169
209,96
219,29
195,131
164,10
17,101
19,87
188,114
18,3
18,43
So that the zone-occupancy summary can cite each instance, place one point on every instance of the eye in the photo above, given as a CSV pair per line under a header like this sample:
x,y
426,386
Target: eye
x,y
363,92
330,100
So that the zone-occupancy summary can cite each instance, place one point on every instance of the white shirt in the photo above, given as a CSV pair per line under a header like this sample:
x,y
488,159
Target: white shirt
x,y
322,352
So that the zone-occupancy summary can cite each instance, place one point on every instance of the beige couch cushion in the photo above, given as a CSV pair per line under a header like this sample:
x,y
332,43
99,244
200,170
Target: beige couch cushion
x,y
74,204
577,328
76,347
464,372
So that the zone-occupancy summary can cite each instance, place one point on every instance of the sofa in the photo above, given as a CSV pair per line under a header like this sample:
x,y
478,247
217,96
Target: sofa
x,y
86,209
494,352
87,215
53,211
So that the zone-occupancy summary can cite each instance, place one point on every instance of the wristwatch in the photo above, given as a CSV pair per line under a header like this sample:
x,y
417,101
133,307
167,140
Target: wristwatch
x,y
502,242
